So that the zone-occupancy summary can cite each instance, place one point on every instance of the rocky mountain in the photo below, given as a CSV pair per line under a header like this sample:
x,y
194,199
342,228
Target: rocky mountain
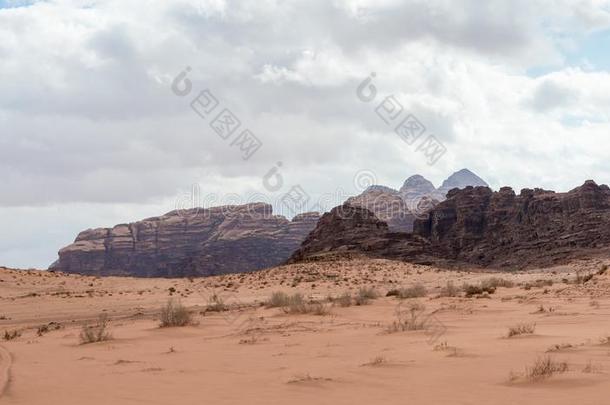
x,y
477,226
461,179
417,187
400,208
197,242
350,229
388,205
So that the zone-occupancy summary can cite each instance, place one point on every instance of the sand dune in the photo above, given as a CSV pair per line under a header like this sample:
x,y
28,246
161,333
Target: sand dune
x,y
254,354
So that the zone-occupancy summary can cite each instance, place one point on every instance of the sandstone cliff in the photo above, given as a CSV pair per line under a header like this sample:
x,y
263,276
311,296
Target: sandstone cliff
x,y
477,226
218,240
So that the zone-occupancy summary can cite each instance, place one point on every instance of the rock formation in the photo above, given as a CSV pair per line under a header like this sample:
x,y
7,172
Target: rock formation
x,y
353,229
218,240
476,226
400,208
461,179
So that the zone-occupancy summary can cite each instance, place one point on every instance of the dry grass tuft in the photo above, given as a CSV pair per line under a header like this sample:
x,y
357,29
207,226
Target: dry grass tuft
x,y
97,332
278,299
297,305
174,314
415,291
521,329
409,319
365,294
344,300
376,362
10,335
450,290
545,367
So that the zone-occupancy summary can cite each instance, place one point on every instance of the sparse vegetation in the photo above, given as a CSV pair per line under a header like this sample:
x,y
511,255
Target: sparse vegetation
x,y
545,367
278,299
216,304
376,362
97,332
450,290
415,291
365,294
473,289
297,305
10,335
538,284
521,329
409,319
582,278
175,314
344,300
43,329
495,282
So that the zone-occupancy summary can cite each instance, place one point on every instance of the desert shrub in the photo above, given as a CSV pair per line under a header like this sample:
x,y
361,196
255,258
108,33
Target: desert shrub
x,y
297,305
42,329
495,282
409,319
216,304
97,332
521,329
10,335
278,299
415,291
364,295
582,278
473,289
344,300
174,314
602,270
545,367
450,290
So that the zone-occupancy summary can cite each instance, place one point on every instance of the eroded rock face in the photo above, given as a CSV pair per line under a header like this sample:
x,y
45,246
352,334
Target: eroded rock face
x,y
476,226
387,205
400,208
218,240
536,227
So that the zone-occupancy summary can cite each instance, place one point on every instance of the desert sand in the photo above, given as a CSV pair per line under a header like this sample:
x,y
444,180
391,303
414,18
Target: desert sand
x,y
250,353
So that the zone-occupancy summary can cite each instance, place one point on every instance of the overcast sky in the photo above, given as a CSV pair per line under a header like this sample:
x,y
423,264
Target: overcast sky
x,y
91,133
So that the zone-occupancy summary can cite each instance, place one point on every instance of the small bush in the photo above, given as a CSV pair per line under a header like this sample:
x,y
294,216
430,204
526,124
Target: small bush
x,y
42,329
10,335
278,300
521,329
174,314
472,289
344,300
409,319
415,291
545,367
297,305
216,304
495,282
97,332
364,295
450,290
603,270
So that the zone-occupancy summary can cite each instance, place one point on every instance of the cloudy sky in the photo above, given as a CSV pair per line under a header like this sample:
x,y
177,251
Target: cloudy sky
x,y
92,134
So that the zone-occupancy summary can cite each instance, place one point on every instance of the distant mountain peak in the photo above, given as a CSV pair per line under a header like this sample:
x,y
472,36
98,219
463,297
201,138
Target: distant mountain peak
x,y
462,179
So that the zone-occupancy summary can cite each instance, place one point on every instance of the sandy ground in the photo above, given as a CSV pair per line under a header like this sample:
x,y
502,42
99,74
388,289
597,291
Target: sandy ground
x,y
254,354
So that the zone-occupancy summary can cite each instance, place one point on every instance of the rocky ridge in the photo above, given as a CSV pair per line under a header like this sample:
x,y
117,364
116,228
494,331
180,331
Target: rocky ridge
x,y
476,226
198,242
